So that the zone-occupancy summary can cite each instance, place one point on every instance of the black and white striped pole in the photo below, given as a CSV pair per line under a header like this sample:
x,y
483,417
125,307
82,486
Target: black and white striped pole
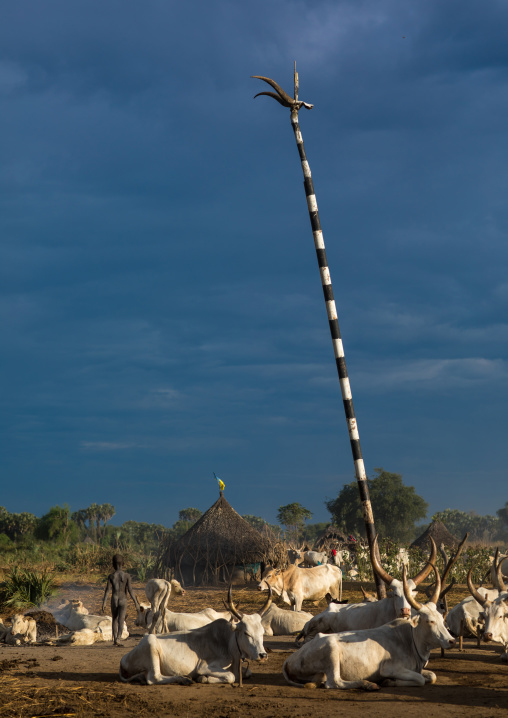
x,y
295,105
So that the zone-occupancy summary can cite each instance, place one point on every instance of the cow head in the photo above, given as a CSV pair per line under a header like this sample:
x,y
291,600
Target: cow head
x,y
249,630
495,612
431,631
272,578
402,606
176,587
368,596
19,624
142,615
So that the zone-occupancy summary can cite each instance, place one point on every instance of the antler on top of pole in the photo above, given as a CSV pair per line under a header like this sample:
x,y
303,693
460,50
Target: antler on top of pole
x,y
282,97
295,105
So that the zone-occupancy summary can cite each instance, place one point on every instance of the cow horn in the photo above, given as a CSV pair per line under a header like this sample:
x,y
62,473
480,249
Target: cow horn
x,y
445,590
267,604
231,606
282,94
407,593
428,567
437,590
453,560
477,596
364,592
499,576
377,566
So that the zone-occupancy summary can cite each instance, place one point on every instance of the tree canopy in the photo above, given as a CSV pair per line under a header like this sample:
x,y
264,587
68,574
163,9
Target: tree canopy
x,y
396,507
480,528
293,518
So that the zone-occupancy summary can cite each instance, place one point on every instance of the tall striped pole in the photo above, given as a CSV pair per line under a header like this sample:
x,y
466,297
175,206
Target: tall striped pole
x,y
295,106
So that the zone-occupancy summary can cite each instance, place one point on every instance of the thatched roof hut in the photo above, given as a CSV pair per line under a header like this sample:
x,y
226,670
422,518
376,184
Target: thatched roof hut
x,y
330,537
209,551
439,533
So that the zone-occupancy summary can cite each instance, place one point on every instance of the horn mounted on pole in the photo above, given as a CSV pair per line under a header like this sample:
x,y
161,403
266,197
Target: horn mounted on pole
x,y
295,105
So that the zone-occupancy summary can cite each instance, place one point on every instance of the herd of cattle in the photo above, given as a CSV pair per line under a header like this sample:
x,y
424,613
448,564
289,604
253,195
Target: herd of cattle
x,y
346,646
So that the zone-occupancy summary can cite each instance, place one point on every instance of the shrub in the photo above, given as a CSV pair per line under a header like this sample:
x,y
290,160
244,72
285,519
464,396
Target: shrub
x,y
26,587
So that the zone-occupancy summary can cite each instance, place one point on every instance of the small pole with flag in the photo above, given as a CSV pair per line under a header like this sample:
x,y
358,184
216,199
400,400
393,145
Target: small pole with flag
x,y
221,483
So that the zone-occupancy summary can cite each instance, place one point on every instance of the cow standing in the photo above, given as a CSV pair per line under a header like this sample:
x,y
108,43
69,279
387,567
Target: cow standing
x,y
296,585
158,591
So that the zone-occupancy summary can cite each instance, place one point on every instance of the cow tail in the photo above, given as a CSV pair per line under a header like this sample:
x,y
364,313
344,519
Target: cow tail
x,y
288,679
137,677
471,627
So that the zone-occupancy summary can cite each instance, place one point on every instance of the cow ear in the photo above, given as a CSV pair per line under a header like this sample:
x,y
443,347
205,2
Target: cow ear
x,y
233,620
415,620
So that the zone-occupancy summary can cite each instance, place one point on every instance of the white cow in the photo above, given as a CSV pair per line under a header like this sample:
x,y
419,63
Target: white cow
x,y
296,585
355,616
466,615
24,627
84,637
495,613
210,654
395,653
315,558
278,622
71,616
63,611
158,591
179,621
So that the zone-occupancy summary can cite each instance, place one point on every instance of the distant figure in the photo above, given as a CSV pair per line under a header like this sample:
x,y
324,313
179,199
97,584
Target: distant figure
x,y
334,556
120,584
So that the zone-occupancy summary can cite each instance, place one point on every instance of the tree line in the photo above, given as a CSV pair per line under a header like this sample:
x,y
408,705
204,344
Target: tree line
x,y
397,511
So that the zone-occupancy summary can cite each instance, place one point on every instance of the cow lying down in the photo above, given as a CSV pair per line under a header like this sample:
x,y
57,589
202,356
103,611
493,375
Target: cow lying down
x,y
23,629
210,654
394,654
279,622
86,628
178,621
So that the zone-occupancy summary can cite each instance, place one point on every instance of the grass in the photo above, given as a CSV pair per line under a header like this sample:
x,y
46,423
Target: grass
x,y
27,588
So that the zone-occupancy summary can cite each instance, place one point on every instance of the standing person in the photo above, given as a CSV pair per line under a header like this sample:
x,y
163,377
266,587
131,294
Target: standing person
x,y
334,556
120,584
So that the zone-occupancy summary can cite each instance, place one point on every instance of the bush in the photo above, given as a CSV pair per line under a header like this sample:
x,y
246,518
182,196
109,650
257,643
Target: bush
x,y
25,587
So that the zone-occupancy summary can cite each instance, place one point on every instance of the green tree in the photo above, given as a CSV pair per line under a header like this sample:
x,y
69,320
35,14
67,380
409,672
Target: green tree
x,y
396,507
57,525
255,521
191,515
143,536
18,525
92,515
502,514
293,518
480,528
311,532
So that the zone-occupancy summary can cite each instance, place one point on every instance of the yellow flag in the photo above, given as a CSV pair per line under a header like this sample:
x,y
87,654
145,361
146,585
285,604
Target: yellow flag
x,y
221,483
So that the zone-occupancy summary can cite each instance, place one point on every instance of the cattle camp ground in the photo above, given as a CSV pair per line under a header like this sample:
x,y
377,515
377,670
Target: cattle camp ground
x,y
50,680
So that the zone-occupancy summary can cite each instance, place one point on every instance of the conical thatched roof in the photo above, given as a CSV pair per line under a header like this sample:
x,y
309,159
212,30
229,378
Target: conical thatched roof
x,y
330,535
439,533
218,541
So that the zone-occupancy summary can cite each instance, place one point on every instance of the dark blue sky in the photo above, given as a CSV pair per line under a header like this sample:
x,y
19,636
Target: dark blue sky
x,y
161,309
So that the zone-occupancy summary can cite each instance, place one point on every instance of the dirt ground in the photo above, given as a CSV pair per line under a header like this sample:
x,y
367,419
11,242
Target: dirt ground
x,y
83,681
